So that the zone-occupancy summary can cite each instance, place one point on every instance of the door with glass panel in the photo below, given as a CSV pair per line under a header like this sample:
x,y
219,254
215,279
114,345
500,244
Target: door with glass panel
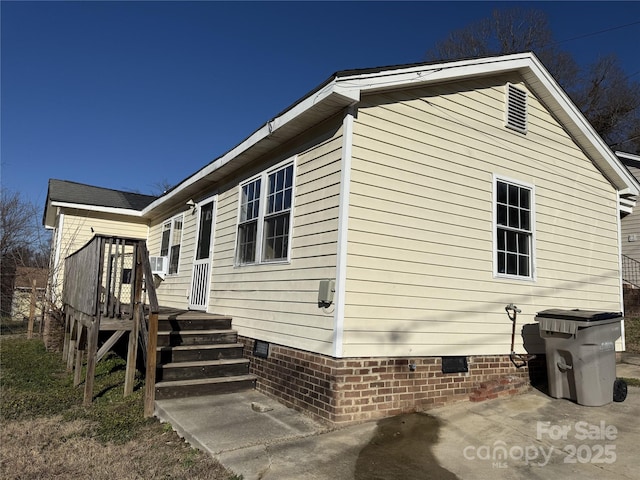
x,y
202,263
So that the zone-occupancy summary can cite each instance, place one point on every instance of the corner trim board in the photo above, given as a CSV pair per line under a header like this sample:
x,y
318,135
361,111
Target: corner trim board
x,y
343,228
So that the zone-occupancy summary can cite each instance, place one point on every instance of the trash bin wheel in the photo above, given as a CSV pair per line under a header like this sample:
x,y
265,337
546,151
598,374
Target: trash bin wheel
x,y
619,390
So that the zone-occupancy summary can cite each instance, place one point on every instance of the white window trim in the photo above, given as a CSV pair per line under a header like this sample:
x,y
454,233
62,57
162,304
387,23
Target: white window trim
x,y
171,220
236,260
534,271
263,176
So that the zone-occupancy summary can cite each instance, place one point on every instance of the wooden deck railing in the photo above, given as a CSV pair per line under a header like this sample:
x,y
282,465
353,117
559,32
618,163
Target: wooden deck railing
x,y
105,285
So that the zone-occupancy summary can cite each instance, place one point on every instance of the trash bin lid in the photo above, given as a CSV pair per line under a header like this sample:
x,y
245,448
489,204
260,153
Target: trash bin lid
x,y
578,315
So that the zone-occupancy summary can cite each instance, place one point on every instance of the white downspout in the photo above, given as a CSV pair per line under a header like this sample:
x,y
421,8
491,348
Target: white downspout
x,y
343,228
619,225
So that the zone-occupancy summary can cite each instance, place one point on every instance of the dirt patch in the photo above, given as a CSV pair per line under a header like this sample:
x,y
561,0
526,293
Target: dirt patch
x,y
48,448
402,448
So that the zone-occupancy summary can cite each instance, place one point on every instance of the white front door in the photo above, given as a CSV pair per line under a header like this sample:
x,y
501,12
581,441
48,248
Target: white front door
x,y
202,263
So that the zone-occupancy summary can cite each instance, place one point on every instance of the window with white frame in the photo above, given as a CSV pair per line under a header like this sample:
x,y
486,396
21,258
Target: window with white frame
x,y
513,229
248,222
264,222
166,238
171,240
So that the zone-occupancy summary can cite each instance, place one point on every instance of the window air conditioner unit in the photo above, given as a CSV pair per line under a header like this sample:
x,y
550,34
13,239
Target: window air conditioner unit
x,y
159,265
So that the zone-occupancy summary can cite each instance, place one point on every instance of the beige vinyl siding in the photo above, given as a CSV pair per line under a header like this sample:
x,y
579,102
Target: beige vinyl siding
x,y
278,302
174,290
76,232
630,225
78,224
420,256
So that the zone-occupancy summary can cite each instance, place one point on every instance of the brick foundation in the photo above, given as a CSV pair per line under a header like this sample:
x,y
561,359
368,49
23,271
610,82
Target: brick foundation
x,y
343,391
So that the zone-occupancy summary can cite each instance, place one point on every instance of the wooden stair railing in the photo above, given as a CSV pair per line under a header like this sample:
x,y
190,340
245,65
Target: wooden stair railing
x,y
105,283
152,338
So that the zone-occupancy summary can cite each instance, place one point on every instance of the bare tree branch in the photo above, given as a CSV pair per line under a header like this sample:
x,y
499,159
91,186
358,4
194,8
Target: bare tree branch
x,y
23,242
609,99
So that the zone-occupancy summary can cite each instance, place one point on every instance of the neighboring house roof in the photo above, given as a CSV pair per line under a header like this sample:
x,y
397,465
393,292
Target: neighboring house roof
x,y
346,87
89,197
26,275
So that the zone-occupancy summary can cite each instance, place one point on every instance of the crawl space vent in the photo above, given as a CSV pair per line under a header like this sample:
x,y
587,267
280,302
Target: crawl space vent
x,y
454,365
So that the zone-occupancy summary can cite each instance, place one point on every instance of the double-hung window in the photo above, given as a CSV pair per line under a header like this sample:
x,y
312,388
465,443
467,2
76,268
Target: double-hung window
x,y
171,240
248,223
264,223
514,234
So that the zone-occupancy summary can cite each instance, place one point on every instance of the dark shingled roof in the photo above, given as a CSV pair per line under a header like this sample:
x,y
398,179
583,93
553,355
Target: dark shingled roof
x,y
72,192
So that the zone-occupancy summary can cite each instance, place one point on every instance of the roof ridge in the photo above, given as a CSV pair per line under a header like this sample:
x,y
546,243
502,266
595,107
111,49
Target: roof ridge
x,y
128,192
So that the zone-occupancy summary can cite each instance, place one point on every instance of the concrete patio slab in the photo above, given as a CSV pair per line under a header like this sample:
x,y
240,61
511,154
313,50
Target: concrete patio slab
x,y
526,436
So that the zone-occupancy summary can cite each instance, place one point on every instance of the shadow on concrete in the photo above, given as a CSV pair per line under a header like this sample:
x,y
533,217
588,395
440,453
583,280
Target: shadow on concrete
x,y
401,448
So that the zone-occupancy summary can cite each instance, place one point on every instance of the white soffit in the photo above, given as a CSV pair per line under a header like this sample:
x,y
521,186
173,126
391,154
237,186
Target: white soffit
x,y
537,78
96,208
344,90
50,213
330,94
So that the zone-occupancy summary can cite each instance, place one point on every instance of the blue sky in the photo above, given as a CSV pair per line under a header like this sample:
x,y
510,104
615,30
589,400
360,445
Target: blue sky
x,y
128,95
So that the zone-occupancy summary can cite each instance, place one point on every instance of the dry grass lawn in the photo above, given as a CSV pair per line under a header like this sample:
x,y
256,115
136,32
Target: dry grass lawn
x,y
45,433
52,448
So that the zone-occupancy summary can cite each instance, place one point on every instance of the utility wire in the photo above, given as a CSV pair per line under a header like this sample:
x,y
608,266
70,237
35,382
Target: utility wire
x,y
632,75
625,141
597,33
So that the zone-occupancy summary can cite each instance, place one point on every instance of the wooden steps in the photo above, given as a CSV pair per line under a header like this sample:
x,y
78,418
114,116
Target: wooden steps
x,y
199,354
196,337
194,353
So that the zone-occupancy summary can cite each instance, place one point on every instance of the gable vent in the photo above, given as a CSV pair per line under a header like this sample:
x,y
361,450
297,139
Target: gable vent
x,y
516,109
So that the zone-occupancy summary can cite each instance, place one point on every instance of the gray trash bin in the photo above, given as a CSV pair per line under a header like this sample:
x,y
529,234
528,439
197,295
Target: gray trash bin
x,y
580,350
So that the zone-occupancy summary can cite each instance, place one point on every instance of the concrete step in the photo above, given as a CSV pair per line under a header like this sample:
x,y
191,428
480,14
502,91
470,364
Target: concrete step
x,y
194,353
205,386
203,369
196,337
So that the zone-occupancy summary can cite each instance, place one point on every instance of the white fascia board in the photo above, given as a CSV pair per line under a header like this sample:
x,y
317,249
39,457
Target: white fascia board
x,y
95,208
626,209
435,73
329,90
212,167
624,182
349,87
629,156
626,205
